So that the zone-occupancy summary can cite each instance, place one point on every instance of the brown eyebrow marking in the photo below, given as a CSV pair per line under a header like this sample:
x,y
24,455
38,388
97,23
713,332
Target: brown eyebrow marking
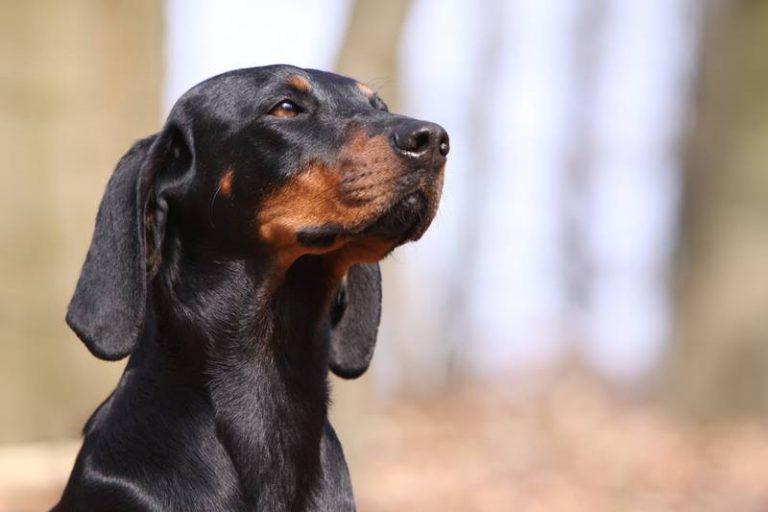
x,y
299,83
365,89
225,183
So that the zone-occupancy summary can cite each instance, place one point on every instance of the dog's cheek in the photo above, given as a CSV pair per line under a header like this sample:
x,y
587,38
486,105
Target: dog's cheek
x,y
312,199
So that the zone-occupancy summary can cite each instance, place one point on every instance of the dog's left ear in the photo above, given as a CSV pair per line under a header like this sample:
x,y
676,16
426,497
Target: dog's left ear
x,y
355,317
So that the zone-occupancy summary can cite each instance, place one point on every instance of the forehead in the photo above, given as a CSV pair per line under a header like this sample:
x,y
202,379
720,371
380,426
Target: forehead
x,y
262,82
239,99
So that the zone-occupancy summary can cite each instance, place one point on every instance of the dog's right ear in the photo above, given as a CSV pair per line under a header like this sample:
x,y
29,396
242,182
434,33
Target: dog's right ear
x,y
108,307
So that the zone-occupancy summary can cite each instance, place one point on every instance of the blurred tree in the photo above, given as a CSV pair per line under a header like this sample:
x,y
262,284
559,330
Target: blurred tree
x,y
718,363
79,81
456,321
578,268
369,52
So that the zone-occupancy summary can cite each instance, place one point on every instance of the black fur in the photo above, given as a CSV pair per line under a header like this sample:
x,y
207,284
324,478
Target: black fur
x,y
223,404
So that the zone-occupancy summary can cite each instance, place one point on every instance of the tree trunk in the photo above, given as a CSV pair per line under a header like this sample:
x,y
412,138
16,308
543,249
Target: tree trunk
x,y
80,82
718,363
368,54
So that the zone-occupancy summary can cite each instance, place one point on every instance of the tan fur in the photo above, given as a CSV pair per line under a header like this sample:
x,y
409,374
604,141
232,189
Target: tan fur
x,y
362,250
365,89
299,83
351,192
225,183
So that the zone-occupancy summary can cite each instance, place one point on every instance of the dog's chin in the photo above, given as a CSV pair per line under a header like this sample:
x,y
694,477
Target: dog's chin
x,y
404,221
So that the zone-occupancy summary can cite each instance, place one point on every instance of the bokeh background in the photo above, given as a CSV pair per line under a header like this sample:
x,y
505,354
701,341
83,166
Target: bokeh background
x,y
585,325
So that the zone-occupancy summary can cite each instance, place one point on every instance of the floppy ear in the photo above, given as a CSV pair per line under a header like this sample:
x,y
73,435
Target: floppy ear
x,y
108,307
355,320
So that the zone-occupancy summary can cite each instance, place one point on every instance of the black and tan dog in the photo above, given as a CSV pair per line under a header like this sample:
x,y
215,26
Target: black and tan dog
x,y
235,260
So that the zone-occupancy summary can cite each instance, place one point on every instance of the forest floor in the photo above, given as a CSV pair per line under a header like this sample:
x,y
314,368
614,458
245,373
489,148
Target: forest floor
x,y
569,447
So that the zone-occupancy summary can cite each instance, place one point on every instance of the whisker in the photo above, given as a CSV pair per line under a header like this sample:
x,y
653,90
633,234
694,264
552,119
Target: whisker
x,y
210,207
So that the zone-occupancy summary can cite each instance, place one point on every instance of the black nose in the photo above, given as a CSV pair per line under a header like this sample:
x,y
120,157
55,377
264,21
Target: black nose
x,y
425,142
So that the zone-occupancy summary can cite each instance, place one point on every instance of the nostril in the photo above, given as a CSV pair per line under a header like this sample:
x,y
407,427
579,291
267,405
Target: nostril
x,y
420,141
444,147
412,141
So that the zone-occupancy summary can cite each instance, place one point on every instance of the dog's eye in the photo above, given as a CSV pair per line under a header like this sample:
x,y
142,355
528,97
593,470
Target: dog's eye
x,y
286,108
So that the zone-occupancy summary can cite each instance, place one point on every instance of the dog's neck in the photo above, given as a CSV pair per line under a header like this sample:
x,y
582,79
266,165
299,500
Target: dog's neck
x,y
260,349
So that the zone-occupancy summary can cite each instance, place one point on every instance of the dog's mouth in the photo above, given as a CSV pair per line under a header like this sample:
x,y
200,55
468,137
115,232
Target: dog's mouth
x,y
405,220
401,221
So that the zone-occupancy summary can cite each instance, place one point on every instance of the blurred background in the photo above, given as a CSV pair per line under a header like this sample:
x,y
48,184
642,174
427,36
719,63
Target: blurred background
x,y
585,325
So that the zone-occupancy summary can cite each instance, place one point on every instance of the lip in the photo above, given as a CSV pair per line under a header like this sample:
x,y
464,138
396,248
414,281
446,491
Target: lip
x,y
401,220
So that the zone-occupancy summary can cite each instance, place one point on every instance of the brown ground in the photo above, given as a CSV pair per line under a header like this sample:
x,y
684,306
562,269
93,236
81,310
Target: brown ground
x,y
570,447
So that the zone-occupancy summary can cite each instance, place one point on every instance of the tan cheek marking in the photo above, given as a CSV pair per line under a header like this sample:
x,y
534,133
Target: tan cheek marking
x,y
351,193
310,199
299,83
365,89
225,183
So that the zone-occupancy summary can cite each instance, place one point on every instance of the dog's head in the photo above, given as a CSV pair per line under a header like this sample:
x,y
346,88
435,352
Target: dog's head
x,y
268,164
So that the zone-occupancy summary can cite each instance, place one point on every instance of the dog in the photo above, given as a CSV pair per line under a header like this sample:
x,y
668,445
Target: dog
x,y
235,260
